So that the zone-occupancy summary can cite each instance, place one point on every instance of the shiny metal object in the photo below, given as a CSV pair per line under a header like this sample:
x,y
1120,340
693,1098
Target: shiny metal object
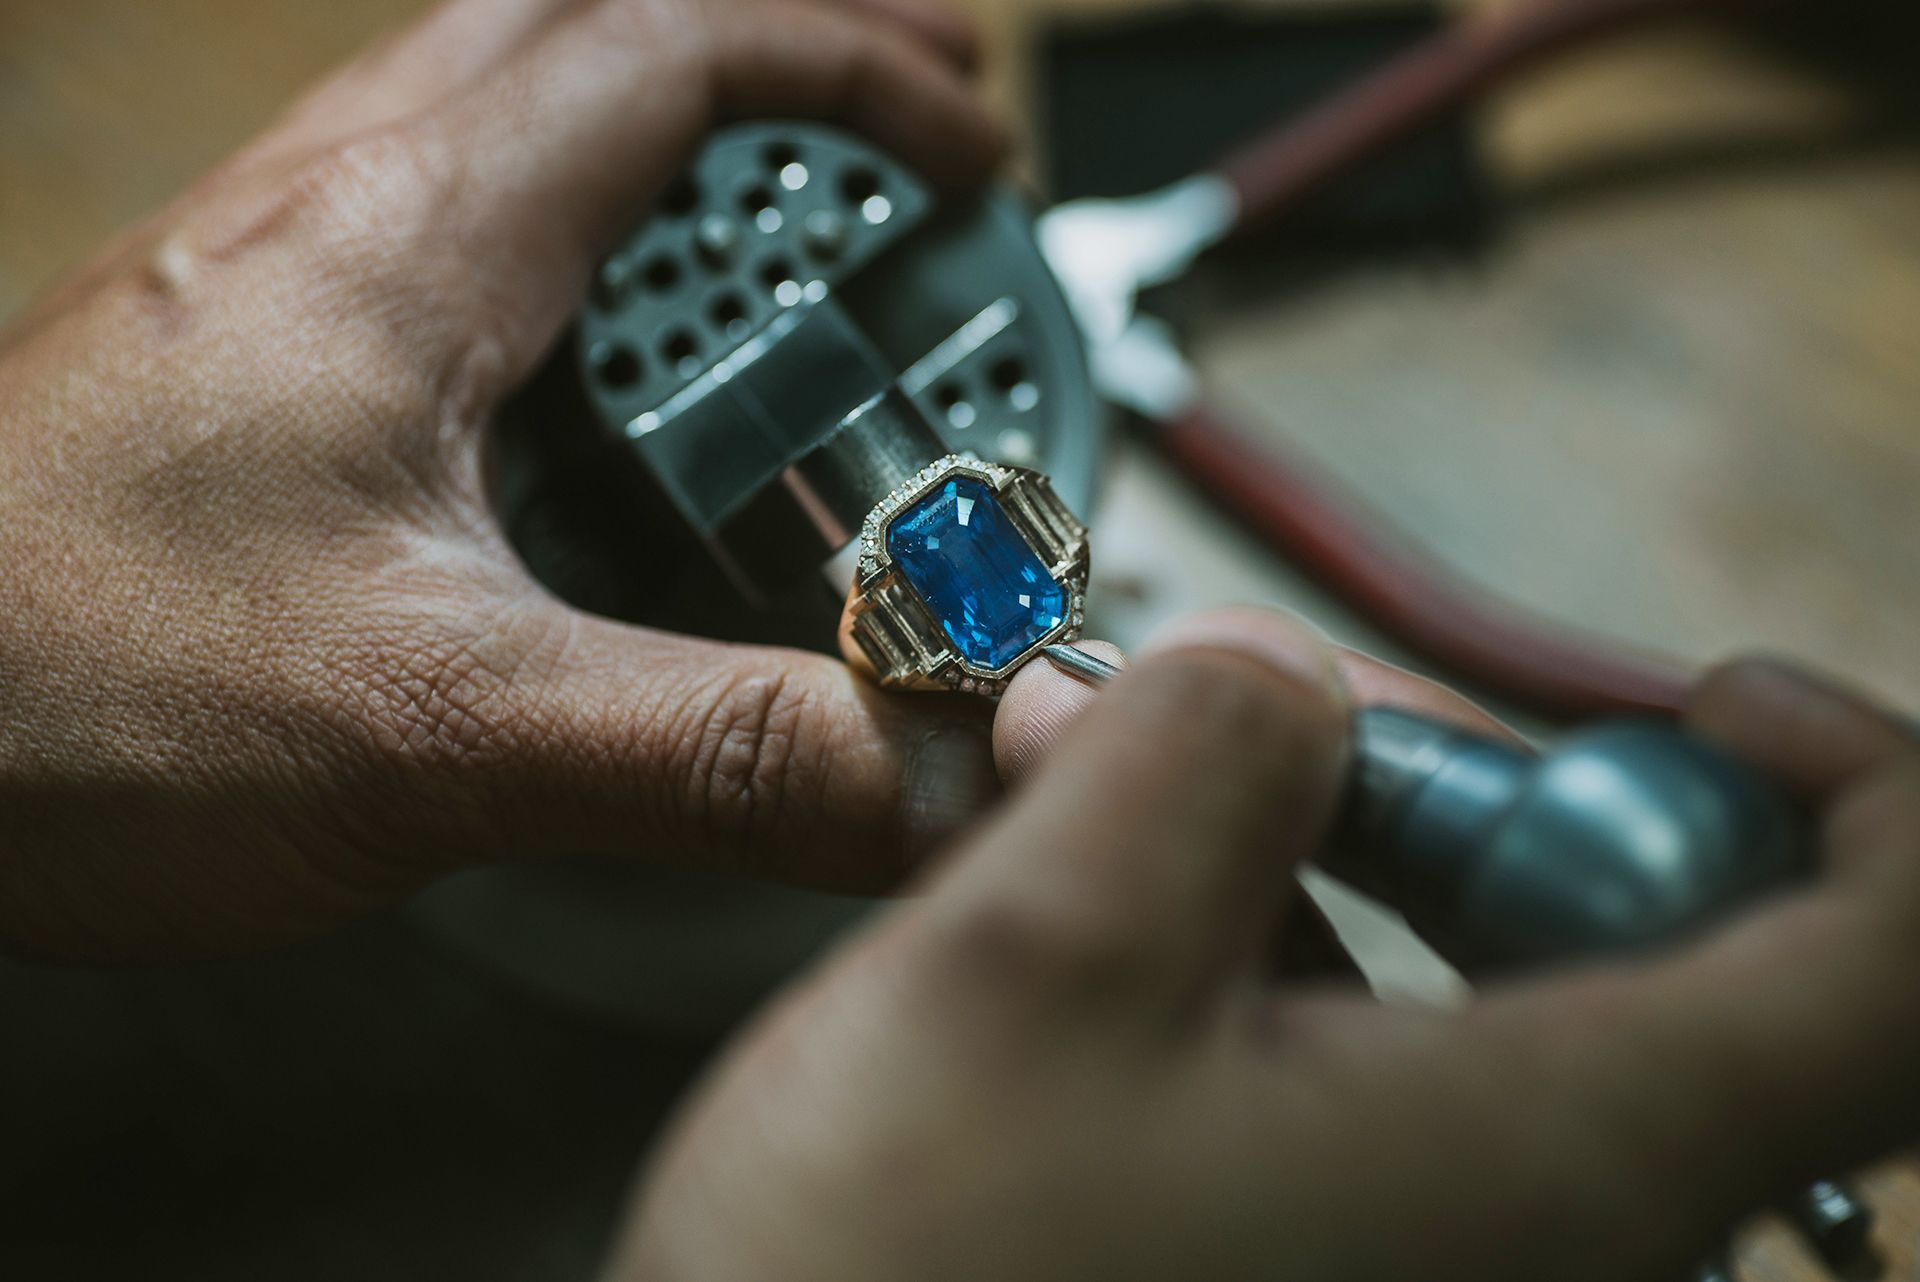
x,y
775,454
888,634
801,325
1837,1224
1106,252
1080,663
1624,836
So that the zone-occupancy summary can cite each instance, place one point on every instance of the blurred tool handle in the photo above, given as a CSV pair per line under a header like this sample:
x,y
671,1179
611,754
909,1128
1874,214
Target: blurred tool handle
x,y
1307,520
1276,171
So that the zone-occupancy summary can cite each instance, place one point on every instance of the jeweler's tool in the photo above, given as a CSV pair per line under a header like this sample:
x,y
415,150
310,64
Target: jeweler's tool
x,y
1107,252
791,249
1837,1224
801,327
1625,835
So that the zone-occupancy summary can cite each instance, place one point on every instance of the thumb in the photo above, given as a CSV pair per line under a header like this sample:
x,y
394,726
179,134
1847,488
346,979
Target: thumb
x,y
550,732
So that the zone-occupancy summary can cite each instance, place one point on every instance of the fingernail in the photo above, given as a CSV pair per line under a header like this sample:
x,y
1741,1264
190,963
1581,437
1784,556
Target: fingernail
x,y
950,780
1281,641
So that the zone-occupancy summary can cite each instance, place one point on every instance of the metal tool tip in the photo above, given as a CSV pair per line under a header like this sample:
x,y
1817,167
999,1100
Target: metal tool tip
x,y
1080,663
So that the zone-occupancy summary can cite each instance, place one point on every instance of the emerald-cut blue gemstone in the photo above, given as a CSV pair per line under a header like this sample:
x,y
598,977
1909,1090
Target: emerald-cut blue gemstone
x,y
982,582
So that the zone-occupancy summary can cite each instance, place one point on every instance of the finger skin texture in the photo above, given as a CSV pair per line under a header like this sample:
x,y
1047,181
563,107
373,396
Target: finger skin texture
x,y
267,661
1171,819
1059,1064
1040,704
454,45
945,29
1043,701
1144,861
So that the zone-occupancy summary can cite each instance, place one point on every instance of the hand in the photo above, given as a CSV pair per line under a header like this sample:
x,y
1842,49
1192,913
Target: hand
x,y
1067,1061
265,659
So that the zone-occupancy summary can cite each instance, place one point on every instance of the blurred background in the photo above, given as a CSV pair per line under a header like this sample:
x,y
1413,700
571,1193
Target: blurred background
x,y
1636,343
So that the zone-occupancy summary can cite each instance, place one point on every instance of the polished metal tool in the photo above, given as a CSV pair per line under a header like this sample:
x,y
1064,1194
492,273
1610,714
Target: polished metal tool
x,y
801,326
1625,835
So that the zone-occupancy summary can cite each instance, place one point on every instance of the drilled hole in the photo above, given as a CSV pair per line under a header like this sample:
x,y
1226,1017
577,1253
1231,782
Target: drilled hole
x,y
778,155
953,402
756,199
1008,373
858,186
662,274
776,272
728,315
680,348
618,366
681,198
610,287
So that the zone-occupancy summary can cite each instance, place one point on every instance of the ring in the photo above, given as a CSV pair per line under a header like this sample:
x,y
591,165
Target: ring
x,y
966,572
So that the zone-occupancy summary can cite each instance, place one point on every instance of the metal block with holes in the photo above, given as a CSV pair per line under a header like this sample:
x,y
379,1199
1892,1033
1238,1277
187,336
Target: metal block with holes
x,y
794,275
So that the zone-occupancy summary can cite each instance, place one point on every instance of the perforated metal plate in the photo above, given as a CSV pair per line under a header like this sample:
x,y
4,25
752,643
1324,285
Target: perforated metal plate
x,y
774,215
762,213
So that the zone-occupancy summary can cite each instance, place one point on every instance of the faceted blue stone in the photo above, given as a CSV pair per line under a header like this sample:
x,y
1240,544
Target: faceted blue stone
x,y
983,584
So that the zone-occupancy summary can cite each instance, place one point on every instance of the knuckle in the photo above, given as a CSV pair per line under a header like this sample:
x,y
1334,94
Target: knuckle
x,y
1744,695
748,759
372,199
351,204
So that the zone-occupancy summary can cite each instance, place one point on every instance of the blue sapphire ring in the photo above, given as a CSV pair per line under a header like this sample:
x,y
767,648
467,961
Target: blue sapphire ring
x,y
966,571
